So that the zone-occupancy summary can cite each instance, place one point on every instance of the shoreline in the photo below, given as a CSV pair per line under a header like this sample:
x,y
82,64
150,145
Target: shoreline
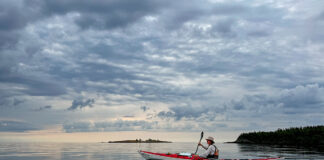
x,y
140,141
303,137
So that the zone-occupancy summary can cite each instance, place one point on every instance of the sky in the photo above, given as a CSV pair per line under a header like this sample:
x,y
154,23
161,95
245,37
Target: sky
x,y
84,70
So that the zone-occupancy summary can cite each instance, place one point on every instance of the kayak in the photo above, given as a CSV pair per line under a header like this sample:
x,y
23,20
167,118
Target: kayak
x,y
168,156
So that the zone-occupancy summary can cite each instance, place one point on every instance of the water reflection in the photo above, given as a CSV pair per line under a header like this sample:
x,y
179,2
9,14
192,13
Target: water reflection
x,y
124,151
287,152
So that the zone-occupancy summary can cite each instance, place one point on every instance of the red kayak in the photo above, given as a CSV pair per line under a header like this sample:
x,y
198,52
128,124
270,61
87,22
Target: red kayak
x,y
167,156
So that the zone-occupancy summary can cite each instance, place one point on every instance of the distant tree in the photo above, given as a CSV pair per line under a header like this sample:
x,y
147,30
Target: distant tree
x,y
311,136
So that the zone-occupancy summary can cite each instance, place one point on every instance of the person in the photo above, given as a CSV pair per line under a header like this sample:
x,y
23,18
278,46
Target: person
x,y
211,150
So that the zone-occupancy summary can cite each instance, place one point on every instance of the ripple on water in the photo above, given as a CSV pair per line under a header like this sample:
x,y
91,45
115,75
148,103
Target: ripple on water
x,y
126,151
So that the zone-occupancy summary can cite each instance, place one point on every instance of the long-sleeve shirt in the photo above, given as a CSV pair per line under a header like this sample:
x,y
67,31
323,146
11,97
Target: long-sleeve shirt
x,y
210,150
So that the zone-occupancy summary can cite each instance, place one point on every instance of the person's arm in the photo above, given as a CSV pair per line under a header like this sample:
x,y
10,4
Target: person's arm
x,y
216,151
209,151
203,146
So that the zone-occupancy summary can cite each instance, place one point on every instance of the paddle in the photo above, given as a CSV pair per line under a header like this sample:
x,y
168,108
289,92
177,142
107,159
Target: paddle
x,y
201,136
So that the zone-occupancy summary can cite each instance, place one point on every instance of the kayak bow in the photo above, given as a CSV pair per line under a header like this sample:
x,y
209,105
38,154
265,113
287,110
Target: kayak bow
x,y
167,156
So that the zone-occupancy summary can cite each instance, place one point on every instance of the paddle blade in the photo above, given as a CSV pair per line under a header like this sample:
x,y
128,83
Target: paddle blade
x,y
201,136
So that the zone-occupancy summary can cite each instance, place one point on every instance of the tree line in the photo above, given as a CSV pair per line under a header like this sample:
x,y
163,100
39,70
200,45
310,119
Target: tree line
x,y
310,136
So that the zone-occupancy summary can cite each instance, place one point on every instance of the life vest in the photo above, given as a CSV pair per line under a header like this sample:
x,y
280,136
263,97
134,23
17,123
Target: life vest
x,y
216,153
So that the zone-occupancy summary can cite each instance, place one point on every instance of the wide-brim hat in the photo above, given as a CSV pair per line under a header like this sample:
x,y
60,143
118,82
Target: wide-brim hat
x,y
210,138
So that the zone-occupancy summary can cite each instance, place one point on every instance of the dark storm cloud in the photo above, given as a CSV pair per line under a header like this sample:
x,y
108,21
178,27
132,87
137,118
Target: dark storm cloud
x,y
308,97
101,14
229,9
8,39
41,88
14,16
109,14
10,16
34,86
179,112
166,114
180,12
79,104
114,14
124,81
190,112
144,108
18,101
15,126
225,26
43,108
6,101
301,99
228,61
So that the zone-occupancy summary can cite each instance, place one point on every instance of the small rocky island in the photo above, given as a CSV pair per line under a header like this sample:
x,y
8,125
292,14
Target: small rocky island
x,y
306,137
140,141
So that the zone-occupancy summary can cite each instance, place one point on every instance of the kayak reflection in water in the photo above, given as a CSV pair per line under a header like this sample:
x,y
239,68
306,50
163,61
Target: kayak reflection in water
x,y
211,150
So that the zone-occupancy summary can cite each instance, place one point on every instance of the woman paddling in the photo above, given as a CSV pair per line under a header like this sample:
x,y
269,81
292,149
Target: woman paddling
x,y
211,150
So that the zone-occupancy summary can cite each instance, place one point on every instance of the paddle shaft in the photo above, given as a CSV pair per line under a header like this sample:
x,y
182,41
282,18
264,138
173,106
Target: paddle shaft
x,y
202,135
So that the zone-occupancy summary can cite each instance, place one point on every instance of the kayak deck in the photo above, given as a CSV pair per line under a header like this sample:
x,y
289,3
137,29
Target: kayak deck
x,y
167,156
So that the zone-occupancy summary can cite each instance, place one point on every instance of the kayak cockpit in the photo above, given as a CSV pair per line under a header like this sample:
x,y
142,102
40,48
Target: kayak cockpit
x,y
173,156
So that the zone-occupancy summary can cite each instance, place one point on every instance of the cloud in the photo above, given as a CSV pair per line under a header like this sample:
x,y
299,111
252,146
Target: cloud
x,y
179,112
81,104
44,108
8,39
36,86
310,96
14,17
301,99
18,101
196,113
129,116
118,125
16,126
101,14
199,62
144,108
140,125
7,102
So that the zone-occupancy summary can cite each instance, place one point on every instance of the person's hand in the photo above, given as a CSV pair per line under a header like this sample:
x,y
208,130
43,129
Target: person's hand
x,y
199,144
195,157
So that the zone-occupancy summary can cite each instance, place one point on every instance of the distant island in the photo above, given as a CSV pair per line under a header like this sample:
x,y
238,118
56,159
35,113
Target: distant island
x,y
140,141
307,137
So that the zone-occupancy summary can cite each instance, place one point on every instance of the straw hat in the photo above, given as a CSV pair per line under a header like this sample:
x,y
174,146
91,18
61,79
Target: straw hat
x,y
210,138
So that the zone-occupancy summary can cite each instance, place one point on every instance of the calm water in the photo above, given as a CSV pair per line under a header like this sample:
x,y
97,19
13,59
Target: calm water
x,y
100,151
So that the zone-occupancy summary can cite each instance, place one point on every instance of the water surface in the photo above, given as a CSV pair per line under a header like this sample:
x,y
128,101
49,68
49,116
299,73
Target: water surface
x,y
125,151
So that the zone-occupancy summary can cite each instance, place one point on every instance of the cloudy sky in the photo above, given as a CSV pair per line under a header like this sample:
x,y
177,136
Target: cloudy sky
x,y
165,68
